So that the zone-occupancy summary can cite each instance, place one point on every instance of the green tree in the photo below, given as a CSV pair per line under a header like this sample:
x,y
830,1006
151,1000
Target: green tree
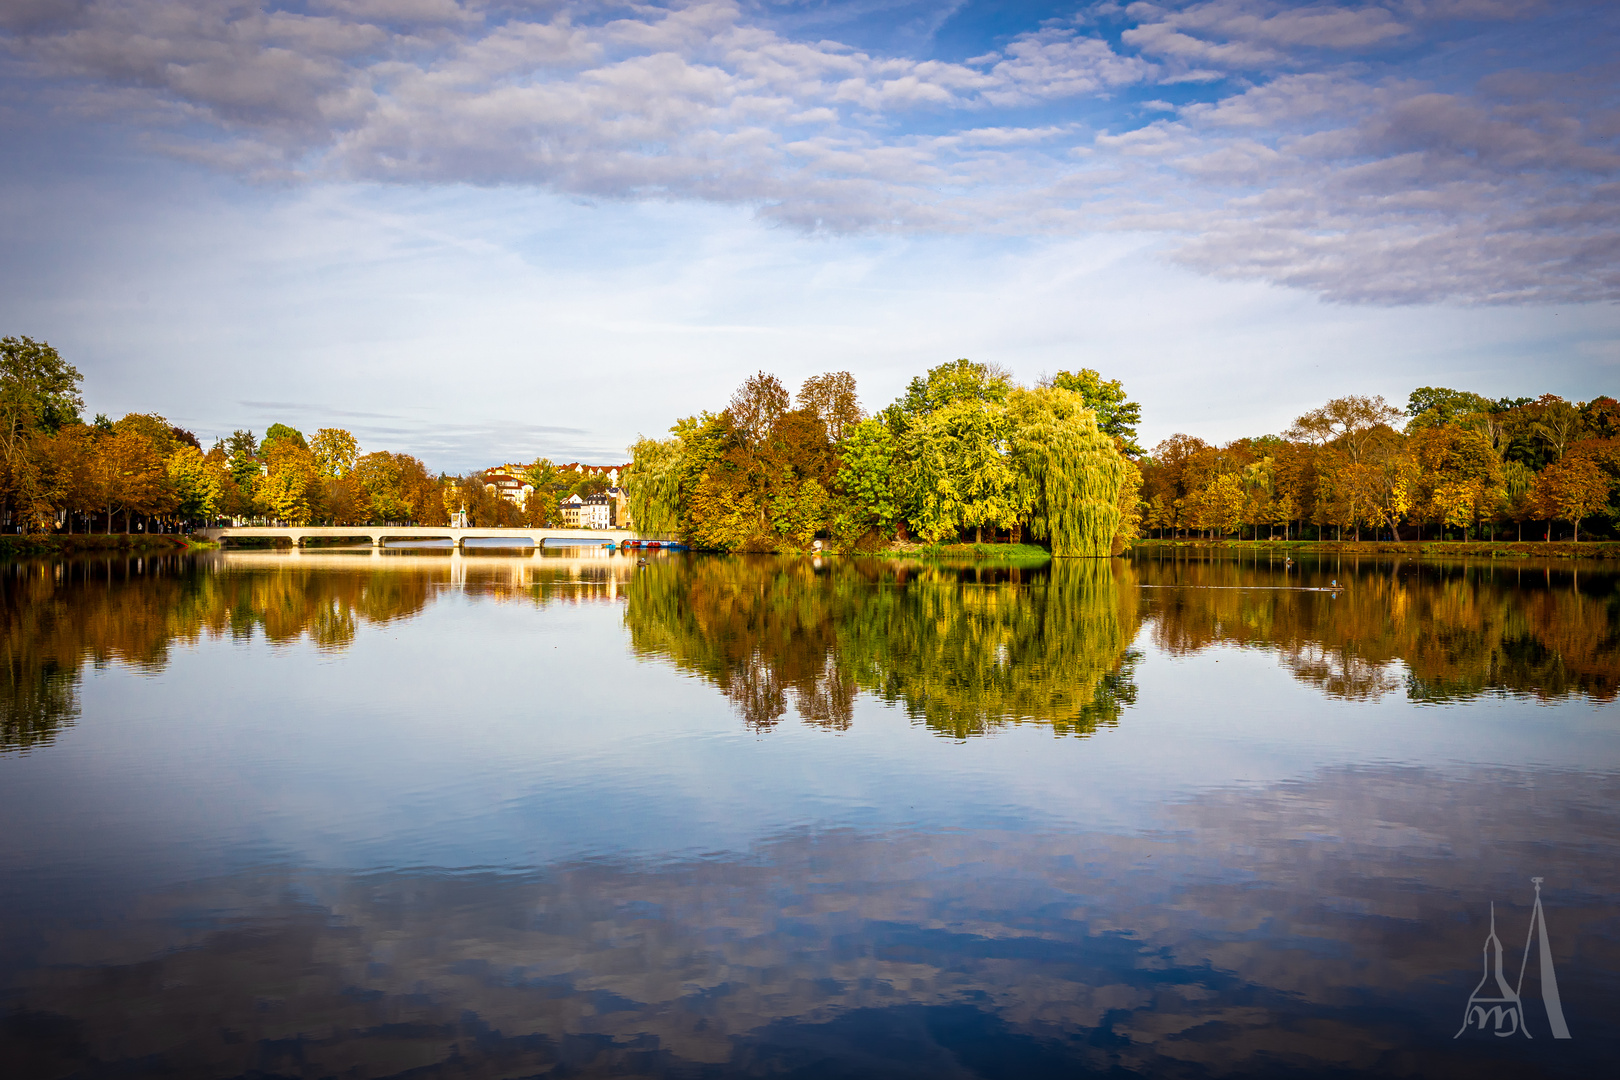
x,y
1436,406
960,476
197,488
1117,417
951,428
867,475
652,485
1068,471
282,433
39,393
1555,423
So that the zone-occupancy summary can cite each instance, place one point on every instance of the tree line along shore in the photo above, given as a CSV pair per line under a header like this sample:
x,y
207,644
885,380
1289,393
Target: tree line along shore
x,y
966,453
966,456
62,477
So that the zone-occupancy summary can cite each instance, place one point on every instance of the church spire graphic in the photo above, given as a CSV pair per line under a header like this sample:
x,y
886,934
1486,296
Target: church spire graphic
x,y
1502,1008
1499,1005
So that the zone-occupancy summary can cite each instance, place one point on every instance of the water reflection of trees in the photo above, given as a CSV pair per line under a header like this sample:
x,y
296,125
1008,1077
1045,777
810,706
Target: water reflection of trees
x,y
57,616
1444,632
963,651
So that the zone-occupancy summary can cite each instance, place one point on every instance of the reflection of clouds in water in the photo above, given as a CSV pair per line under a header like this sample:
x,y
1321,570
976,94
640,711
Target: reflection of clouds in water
x,y
1334,921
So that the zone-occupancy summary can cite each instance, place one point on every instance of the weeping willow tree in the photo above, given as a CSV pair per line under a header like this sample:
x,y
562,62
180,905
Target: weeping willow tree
x,y
653,485
1069,472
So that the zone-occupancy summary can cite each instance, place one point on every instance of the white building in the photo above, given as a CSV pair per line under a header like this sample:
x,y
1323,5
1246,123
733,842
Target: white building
x,y
508,485
596,512
592,512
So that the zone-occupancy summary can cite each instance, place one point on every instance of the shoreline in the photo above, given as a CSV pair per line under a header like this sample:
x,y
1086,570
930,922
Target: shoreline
x,y
25,544
1490,549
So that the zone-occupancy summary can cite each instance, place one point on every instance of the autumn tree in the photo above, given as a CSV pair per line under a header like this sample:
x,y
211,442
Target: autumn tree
x,y
746,489
399,489
1352,422
67,471
1571,489
1170,475
127,473
756,405
831,397
290,489
335,451
1600,418
1460,475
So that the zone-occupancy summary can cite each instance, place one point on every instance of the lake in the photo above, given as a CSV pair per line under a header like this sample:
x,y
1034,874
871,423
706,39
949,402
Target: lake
x,y
496,814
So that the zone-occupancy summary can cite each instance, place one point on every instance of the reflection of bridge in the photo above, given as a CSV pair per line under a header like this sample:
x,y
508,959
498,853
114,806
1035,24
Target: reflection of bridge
x,y
378,535
591,571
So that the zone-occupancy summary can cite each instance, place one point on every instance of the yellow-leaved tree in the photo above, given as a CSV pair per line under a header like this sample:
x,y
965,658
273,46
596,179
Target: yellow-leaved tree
x,y
1069,473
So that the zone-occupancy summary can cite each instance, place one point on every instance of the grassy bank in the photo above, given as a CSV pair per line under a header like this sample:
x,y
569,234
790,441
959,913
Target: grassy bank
x,y
53,544
997,554
1488,549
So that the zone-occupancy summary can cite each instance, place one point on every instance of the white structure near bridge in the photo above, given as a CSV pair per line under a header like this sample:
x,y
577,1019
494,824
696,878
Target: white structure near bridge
x,y
379,535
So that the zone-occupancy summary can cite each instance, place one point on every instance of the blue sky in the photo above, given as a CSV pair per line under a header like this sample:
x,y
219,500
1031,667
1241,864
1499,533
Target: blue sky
x,y
486,231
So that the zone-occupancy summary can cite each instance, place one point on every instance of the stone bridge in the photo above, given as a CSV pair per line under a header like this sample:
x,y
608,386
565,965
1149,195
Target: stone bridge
x,y
381,534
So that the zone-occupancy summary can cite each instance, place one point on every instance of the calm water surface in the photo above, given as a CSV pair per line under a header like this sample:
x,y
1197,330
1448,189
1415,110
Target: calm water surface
x,y
413,813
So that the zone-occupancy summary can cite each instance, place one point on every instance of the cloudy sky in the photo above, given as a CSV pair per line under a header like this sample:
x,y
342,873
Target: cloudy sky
x,y
481,230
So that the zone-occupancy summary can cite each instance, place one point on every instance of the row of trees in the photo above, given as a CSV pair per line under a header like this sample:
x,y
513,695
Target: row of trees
x,y
964,451
1452,463
58,472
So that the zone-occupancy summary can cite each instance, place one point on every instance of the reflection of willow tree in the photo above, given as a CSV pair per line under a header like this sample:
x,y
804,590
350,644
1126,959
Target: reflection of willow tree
x,y
1460,631
963,655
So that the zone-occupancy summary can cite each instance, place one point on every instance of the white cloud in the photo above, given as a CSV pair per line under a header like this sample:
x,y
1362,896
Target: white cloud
x,y
1306,172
